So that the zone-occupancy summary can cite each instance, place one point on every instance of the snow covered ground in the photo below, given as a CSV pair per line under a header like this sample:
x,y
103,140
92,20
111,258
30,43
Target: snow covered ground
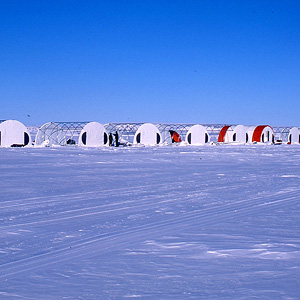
x,y
212,222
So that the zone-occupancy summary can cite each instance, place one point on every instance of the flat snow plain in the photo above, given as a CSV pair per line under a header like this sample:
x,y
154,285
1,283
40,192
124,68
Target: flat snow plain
x,y
212,222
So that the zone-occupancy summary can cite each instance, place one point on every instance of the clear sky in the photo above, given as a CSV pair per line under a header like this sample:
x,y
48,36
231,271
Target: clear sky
x,y
203,61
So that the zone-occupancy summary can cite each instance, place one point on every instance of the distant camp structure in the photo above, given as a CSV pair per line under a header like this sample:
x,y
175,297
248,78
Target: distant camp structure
x,y
93,134
197,135
147,134
246,134
14,134
294,136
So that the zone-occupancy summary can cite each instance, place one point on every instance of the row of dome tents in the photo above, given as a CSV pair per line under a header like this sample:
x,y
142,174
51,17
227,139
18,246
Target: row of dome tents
x,y
95,134
259,134
246,134
14,133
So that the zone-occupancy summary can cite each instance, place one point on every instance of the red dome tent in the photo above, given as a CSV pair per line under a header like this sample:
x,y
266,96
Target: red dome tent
x,y
261,134
233,134
223,131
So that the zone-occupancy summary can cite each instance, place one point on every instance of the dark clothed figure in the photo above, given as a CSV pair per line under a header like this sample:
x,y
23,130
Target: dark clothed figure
x,y
116,139
110,139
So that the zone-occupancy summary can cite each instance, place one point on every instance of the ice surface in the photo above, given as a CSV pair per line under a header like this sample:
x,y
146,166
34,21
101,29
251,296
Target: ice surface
x,y
212,222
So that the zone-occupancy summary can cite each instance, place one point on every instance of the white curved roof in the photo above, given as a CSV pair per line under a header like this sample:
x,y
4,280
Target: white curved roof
x,y
13,132
93,134
197,135
147,134
240,133
294,135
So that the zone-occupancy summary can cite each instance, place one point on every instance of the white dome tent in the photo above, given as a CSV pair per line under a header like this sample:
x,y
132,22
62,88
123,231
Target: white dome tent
x,y
93,134
50,134
294,136
148,135
233,134
14,134
260,134
197,135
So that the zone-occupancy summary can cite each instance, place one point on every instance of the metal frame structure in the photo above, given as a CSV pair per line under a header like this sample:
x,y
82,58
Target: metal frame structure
x,y
181,129
126,131
65,132
33,130
282,133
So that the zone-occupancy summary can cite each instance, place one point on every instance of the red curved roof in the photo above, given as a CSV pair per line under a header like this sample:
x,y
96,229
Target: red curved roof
x,y
256,137
221,138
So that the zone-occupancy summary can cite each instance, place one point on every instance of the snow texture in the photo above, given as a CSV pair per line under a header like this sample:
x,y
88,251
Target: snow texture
x,y
212,222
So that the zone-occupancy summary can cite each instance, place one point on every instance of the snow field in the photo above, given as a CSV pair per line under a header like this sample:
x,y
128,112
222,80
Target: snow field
x,y
151,223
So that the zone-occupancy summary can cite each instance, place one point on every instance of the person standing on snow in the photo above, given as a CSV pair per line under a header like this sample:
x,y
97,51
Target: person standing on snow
x,y
116,139
110,139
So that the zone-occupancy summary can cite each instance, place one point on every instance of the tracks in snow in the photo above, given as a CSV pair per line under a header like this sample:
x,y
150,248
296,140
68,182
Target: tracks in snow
x,y
100,244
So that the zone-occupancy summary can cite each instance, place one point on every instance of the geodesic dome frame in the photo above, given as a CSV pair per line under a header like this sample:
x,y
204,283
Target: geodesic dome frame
x,y
165,129
281,133
60,133
126,131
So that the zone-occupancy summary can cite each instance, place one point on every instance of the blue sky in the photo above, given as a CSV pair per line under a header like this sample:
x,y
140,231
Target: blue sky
x,y
157,61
